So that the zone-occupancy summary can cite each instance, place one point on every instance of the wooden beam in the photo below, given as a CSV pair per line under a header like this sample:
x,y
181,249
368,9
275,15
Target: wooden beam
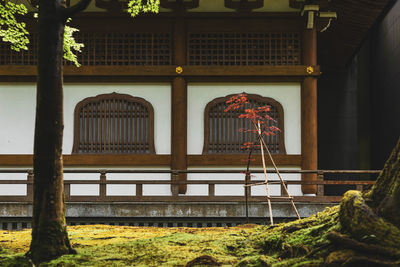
x,y
77,160
249,71
240,160
108,160
18,71
309,112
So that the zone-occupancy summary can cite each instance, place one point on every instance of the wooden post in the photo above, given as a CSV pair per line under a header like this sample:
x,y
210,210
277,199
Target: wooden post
x,y
309,112
179,107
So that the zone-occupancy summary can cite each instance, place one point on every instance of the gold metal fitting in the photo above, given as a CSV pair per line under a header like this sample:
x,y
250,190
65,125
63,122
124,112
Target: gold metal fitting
x,y
310,70
179,70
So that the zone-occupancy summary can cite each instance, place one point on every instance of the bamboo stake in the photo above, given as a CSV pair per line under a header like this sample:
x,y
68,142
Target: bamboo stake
x,y
279,175
265,173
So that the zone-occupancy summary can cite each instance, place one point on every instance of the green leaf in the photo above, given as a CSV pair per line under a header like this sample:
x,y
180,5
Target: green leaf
x,y
137,6
11,30
70,45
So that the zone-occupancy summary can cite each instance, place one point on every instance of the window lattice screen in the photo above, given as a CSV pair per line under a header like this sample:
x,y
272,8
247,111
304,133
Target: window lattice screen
x,y
222,134
104,49
232,49
114,123
281,48
23,57
125,49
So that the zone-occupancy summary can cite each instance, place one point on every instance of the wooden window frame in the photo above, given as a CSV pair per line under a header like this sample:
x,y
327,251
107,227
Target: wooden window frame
x,y
111,96
268,100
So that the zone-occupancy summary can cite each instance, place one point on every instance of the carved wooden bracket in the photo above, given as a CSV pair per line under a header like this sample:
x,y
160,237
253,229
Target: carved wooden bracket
x,y
300,3
244,5
35,3
112,5
179,4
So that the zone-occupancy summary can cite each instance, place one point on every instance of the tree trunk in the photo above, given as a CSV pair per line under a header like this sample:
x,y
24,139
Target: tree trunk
x,y
363,231
385,194
371,221
49,235
377,212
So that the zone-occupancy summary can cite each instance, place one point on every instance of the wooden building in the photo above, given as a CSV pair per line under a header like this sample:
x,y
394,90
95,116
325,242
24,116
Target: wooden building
x,y
151,90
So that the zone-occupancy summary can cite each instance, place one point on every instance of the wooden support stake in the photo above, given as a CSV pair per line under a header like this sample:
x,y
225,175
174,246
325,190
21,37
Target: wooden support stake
x,y
265,174
280,177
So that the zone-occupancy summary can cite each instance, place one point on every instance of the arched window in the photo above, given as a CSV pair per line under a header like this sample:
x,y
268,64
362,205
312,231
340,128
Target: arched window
x,y
114,123
222,133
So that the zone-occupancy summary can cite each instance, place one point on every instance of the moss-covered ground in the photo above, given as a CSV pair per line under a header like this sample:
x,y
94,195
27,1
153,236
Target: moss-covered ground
x,y
297,243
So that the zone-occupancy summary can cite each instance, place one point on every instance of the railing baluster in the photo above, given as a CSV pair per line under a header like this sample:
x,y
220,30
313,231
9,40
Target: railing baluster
x,y
103,186
283,191
211,190
359,187
139,190
67,191
320,187
29,186
247,194
174,186
102,183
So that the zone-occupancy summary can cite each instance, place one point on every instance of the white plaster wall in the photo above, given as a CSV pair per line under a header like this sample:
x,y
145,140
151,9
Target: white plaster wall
x,y
288,94
18,102
17,120
17,109
13,189
17,117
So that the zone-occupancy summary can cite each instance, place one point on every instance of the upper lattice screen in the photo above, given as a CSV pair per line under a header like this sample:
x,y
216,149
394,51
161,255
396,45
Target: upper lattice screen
x,y
244,49
153,49
125,49
104,49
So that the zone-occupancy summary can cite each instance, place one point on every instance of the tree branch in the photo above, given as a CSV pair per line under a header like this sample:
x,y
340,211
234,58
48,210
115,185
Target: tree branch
x,y
80,6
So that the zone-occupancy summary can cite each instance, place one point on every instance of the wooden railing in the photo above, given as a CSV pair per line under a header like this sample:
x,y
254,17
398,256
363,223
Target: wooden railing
x,y
211,197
